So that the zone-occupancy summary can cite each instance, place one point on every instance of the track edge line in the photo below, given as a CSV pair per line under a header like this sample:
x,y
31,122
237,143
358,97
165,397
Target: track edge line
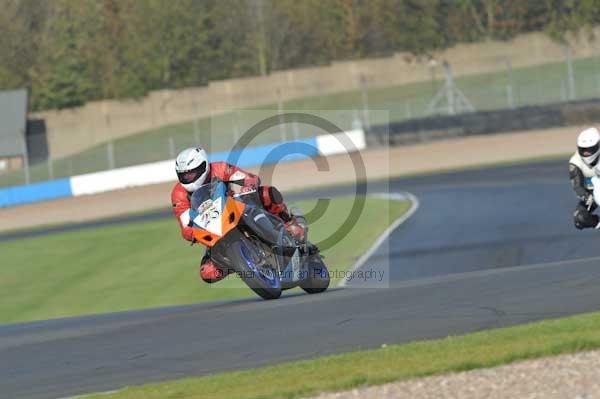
x,y
402,196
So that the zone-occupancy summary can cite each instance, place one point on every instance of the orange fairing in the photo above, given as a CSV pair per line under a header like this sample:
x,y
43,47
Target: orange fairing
x,y
230,217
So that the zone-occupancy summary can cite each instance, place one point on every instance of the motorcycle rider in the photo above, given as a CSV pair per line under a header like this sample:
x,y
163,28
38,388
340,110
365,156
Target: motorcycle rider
x,y
582,168
193,170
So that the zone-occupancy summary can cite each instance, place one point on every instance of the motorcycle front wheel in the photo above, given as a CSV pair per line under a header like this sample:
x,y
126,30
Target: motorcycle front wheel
x,y
254,269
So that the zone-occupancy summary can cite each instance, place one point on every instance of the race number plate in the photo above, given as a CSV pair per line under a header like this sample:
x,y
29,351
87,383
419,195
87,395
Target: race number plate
x,y
210,218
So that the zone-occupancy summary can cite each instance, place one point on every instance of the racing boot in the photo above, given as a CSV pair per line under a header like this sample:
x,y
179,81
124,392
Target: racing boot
x,y
297,227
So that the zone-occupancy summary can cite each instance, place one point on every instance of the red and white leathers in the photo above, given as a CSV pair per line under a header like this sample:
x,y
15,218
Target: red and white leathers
x,y
270,197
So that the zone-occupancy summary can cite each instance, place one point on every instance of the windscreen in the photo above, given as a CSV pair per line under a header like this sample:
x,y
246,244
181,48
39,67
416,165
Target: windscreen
x,y
203,194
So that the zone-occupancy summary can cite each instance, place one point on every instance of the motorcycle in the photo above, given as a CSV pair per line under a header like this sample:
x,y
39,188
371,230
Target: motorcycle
x,y
246,238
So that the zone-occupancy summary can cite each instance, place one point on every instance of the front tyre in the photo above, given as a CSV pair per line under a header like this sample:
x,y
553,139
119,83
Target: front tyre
x,y
260,277
318,276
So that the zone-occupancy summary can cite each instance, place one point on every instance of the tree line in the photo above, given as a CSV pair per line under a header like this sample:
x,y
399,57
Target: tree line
x,y
67,52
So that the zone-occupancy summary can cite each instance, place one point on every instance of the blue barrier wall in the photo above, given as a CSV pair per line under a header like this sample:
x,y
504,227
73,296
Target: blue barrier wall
x,y
269,153
252,156
247,157
49,190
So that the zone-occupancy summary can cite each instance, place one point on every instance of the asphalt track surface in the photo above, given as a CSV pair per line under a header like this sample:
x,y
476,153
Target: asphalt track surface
x,y
487,248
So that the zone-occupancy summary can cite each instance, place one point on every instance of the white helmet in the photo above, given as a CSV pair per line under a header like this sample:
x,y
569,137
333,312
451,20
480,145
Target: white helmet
x,y
192,168
588,145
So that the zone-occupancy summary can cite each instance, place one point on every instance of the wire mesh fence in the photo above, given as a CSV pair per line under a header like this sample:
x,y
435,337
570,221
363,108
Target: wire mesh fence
x,y
573,79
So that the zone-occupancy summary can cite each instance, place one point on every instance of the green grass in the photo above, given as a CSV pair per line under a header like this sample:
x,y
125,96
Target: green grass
x,y
145,264
533,85
395,362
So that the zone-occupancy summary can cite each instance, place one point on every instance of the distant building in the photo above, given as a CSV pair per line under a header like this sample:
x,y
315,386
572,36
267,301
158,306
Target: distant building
x,y
13,123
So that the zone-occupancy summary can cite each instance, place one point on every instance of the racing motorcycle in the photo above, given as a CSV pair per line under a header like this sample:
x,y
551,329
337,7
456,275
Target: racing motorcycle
x,y
244,237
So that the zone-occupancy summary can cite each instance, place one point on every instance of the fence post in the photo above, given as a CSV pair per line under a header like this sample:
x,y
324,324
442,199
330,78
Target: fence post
x,y
365,100
25,158
280,112
236,128
195,120
295,129
570,73
432,64
356,123
510,97
50,169
172,147
110,154
449,90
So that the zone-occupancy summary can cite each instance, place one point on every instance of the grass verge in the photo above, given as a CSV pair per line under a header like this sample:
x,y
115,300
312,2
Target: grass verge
x,y
146,264
395,362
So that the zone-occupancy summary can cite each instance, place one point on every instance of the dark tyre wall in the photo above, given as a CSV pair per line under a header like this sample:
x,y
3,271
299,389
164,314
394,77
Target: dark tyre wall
x,y
487,122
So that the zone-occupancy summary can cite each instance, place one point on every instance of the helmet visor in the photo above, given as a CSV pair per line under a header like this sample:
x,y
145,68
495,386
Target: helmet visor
x,y
190,176
588,151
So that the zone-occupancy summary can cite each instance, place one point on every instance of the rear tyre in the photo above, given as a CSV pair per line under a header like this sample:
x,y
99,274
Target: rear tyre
x,y
262,279
318,276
